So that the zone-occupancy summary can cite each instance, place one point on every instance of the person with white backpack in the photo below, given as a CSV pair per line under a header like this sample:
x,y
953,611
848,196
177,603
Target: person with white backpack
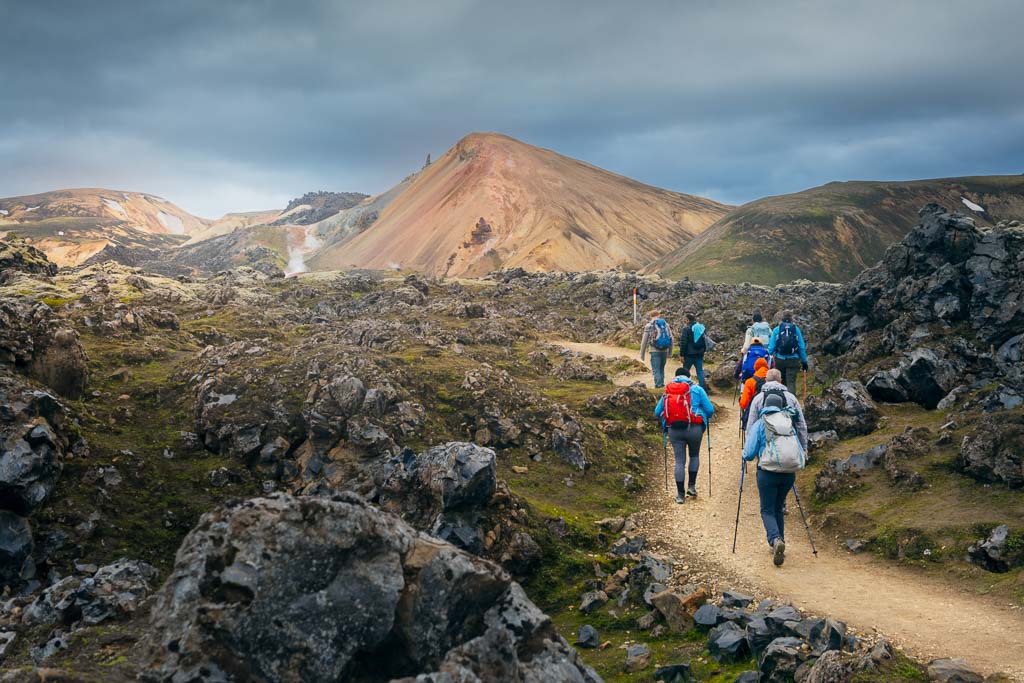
x,y
758,329
777,439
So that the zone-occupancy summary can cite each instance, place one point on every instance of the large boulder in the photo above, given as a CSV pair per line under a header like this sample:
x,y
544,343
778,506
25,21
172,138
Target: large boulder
x,y
62,365
952,671
113,591
942,298
16,548
995,552
846,408
442,490
994,451
779,661
32,445
317,589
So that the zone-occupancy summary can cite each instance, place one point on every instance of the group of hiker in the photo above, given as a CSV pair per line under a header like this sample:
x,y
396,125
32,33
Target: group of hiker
x,y
772,426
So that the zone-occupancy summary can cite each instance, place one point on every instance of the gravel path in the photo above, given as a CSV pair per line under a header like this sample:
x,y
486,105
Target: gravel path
x,y
925,614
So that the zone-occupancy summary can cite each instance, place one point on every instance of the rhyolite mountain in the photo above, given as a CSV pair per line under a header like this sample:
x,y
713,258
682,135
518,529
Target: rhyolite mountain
x,y
494,202
832,232
73,225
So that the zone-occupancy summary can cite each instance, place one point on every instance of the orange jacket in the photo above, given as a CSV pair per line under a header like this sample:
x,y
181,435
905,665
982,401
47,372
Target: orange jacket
x,y
750,386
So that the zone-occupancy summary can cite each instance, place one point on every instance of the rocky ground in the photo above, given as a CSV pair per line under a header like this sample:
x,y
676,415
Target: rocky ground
x,y
417,457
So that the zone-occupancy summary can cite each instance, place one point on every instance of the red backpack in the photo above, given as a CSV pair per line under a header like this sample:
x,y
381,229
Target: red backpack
x,y
677,407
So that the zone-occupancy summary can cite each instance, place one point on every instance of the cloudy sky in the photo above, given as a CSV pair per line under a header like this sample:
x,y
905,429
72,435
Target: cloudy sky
x,y
222,106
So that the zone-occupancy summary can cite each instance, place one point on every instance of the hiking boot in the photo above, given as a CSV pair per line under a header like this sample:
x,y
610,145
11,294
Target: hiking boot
x,y
691,491
778,552
680,500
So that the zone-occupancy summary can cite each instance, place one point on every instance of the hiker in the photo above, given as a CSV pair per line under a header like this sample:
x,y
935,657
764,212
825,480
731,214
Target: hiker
x,y
773,384
657,335
684,410
752,387
788,349
755,352
693,342
775,442
759,329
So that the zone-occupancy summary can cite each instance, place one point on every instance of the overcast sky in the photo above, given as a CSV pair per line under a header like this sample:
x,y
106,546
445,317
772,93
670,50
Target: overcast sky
x,y
229,106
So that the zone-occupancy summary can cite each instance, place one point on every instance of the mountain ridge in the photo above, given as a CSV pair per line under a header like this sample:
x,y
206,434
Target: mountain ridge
x,y
832,231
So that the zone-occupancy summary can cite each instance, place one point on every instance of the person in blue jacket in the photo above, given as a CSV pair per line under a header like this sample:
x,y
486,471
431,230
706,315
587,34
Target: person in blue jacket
x,y
788,349
686,435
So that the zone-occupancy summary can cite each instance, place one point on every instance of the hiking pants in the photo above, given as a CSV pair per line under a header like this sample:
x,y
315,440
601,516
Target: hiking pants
x,y
658,360
696,362
773,487
683,437
790,369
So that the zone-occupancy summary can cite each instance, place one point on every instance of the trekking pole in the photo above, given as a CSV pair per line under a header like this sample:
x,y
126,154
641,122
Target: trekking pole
x,y
736,392
739,501
805,387
807,527
664,445
709,458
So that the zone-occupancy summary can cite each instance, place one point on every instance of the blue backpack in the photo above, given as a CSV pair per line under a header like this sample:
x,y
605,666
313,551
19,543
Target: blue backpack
x,y
753,354
664,338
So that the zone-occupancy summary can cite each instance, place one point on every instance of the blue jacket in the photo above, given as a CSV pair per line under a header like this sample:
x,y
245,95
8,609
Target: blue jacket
x,y
699,402
755,437
802,347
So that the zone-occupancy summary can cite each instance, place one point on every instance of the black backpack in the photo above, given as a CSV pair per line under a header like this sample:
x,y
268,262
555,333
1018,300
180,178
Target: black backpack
x,y
788,344
758,383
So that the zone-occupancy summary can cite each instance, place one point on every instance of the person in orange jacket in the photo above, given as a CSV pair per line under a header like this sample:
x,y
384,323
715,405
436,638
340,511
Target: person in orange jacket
x,y
752,386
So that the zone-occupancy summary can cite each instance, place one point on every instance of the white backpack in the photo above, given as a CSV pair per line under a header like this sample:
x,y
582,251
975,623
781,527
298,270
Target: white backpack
x,y
782,449
762,331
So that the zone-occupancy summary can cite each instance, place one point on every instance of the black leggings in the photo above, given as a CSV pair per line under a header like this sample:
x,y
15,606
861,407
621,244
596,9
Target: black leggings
x,y
683,437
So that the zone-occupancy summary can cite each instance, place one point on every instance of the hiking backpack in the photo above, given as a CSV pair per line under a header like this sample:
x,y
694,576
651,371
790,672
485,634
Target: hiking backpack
x,y
782,450
697,346
762,331
664,339
678,407
777,391
758,383
788,343
753,353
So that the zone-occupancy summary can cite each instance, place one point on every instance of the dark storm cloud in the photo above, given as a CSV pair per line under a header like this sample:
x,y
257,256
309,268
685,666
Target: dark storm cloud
x,y
239,105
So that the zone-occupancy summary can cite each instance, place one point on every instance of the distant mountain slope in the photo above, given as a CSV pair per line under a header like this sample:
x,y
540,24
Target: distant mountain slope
x,y
72,225
494,202
831,232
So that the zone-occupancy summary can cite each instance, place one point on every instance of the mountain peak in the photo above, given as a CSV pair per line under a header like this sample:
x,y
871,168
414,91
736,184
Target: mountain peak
x,y
542,211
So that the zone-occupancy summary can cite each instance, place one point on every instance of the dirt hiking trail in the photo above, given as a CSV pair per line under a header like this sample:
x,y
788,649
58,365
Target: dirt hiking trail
x,y
925,615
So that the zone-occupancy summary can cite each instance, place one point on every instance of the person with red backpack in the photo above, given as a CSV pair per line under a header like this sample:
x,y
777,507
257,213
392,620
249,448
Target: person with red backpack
x,y
684,411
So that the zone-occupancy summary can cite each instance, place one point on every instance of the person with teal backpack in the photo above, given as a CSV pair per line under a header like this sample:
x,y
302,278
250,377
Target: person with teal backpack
x,y
657,336
693,344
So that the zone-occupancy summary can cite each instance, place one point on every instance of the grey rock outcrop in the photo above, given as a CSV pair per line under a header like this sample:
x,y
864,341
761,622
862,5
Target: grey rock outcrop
x,y
317,589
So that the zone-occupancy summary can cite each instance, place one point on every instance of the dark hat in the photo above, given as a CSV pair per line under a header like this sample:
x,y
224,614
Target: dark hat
x,y
681,373
774,401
